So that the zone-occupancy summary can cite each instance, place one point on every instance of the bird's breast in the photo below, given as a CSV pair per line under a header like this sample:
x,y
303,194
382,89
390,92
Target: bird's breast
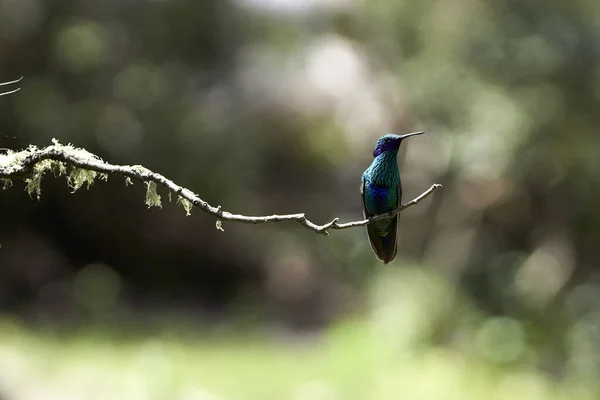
x,y
380,198
379,193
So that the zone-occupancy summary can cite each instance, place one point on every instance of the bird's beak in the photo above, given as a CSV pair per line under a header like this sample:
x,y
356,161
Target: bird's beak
x,y
410,134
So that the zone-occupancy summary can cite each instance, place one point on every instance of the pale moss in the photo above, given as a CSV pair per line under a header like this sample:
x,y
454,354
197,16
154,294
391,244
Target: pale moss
x,y
43,166
57,167
152,196
219,225
186,204
128,181
78,177
35,180
33,185
61,167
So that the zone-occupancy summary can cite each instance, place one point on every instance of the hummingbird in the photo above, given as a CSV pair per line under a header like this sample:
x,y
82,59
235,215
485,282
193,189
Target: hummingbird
x,y
381,191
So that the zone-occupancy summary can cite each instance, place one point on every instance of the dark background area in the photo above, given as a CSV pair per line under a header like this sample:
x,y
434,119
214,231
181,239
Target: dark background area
x,y
268,107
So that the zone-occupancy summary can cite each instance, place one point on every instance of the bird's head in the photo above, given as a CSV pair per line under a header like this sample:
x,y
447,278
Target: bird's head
x,y
391,142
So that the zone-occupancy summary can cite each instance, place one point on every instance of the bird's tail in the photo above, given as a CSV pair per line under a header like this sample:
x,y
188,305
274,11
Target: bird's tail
x,y
384,247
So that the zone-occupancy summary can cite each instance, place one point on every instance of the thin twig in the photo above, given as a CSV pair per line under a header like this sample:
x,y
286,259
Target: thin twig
x,y
10,83
21,164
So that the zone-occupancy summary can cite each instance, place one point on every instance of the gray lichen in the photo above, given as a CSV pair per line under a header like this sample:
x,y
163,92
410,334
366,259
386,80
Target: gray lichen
x,y
186,204
153,199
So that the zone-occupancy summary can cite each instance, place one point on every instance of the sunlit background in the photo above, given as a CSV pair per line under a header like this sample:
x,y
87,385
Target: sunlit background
x,y
274,106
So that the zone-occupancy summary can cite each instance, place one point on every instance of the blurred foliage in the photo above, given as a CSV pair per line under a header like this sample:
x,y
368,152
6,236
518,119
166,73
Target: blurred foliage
x,y
386,356
273,106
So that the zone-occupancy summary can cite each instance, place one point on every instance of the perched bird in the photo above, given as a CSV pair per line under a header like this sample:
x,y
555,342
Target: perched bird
x,y
381,191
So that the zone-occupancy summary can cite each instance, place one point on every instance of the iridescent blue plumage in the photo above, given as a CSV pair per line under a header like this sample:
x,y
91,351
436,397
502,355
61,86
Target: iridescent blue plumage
x,y
381,191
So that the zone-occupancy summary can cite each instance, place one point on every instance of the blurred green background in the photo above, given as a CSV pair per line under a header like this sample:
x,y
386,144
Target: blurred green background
x,y
274,106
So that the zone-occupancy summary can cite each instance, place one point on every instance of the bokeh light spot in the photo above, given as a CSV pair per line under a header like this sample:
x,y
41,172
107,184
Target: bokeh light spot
x,y
140,85
81,46
96,287
501,340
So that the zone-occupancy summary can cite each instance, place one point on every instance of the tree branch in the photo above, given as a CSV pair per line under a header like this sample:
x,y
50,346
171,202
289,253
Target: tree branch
x,y
32,163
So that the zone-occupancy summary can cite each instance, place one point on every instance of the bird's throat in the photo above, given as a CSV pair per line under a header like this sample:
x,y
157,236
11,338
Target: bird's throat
x,y
384,170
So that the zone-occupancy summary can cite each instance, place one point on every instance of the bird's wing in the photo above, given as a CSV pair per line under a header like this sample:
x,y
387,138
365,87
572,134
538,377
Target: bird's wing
x,y
393,233
362,196
384,247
